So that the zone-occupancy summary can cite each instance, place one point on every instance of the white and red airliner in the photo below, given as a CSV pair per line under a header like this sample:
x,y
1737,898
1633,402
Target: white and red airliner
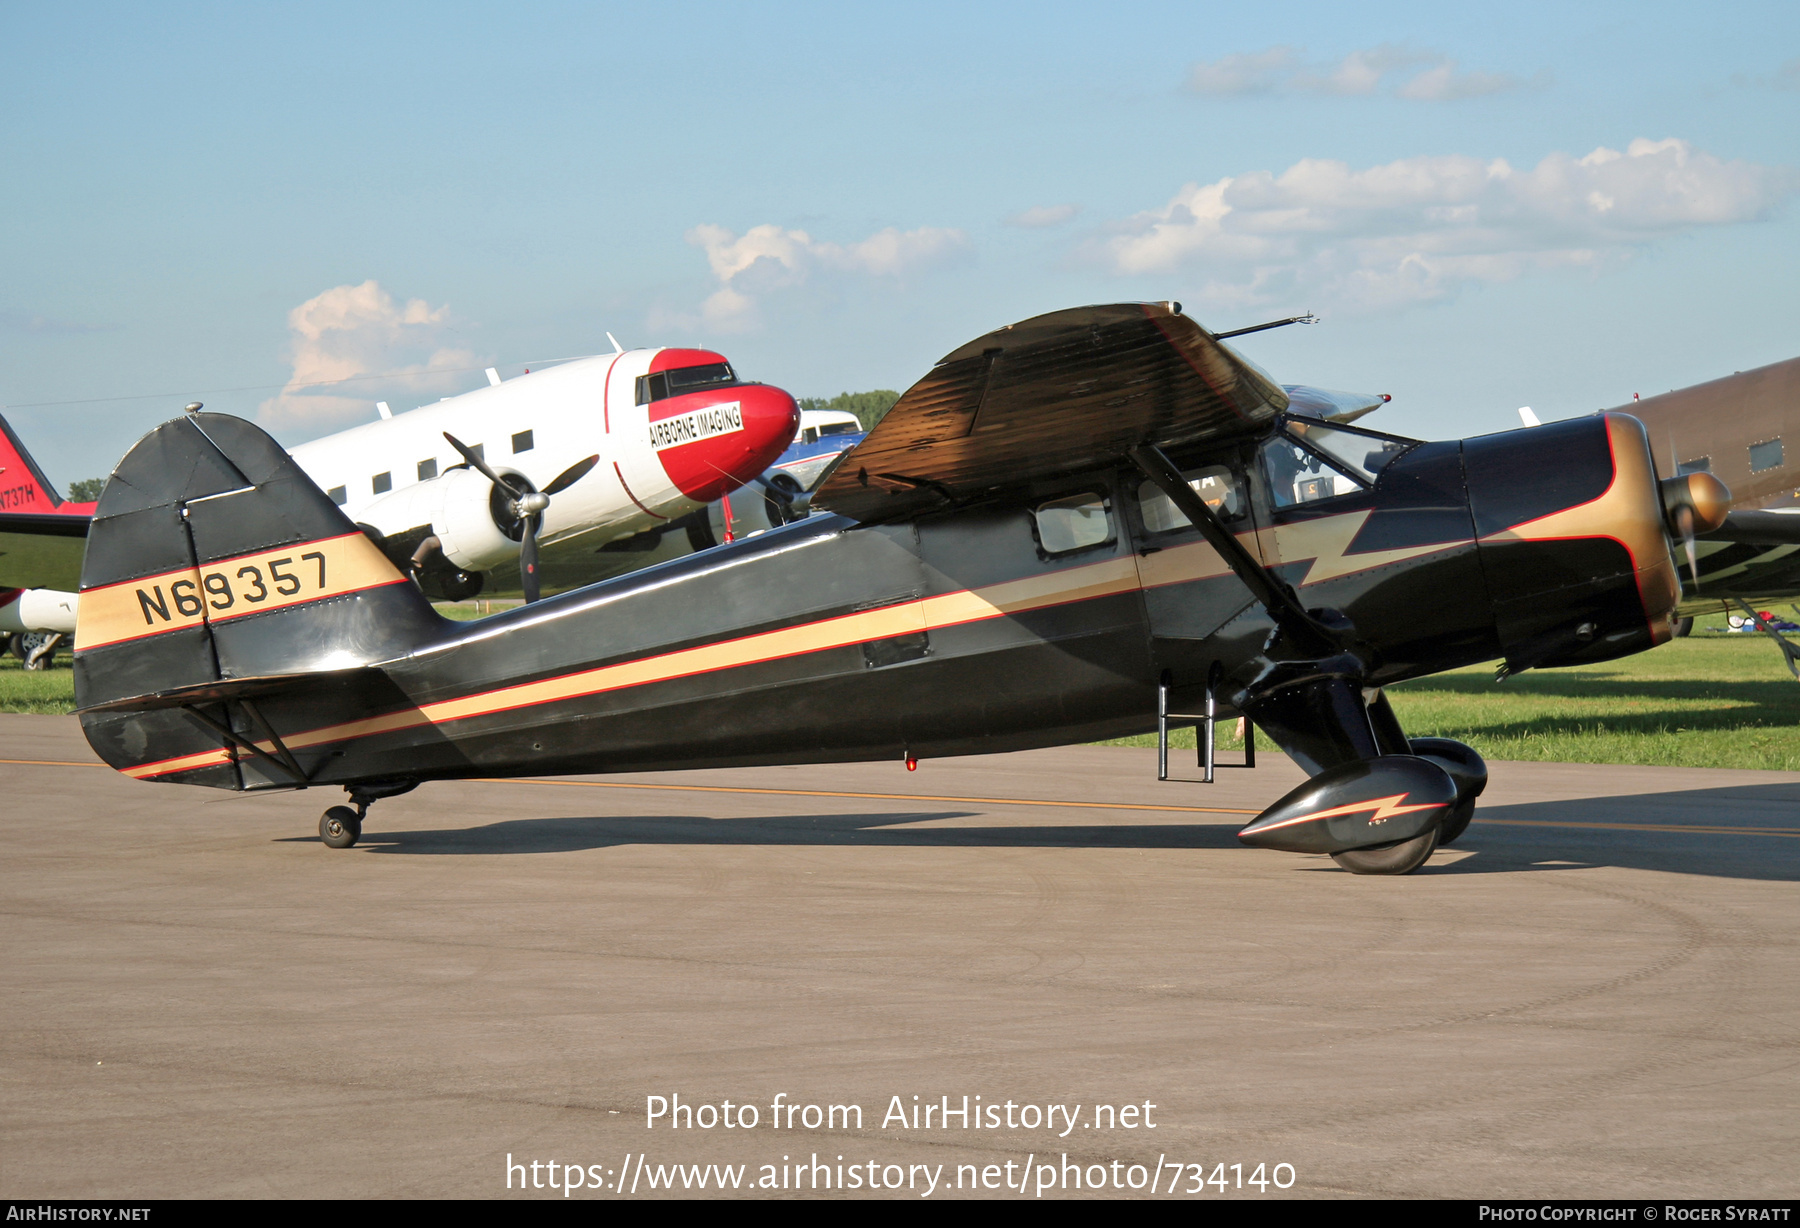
x,y
621,443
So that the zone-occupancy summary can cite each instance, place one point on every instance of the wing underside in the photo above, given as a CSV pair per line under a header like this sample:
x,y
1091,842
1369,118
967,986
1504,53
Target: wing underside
x,y
41,550
1056,394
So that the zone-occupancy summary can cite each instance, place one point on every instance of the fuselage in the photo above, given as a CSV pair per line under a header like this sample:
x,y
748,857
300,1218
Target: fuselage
x,y
674,429
1040,620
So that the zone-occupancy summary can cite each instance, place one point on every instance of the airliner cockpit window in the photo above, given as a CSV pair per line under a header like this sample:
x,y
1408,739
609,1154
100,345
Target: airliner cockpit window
x,y
1214,484
665,384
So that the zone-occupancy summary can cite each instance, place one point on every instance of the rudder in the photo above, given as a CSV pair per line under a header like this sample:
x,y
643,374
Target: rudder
x,y
213,558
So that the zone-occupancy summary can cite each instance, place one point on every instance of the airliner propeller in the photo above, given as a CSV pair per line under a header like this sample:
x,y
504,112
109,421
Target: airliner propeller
x,y
526,506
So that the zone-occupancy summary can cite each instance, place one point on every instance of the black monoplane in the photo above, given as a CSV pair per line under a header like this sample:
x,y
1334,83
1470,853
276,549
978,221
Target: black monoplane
x,y
1070,529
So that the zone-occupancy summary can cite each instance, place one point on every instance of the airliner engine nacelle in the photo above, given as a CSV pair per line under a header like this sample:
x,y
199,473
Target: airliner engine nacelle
x,y
455,507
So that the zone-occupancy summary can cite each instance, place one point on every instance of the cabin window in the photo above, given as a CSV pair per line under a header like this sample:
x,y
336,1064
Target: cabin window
x,y
339,495
1700,465
521,442
1765,455
840,428
1214,484
427,469
381,483
1077,522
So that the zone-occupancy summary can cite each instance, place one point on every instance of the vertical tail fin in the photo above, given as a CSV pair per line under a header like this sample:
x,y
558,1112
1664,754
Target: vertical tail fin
x,y
23,486
213,559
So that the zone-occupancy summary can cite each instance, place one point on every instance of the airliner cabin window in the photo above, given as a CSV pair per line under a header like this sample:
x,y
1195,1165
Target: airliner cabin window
x,y
427,469
1701,465
1074,523
339,495
1765,455
381,483
1214,484
522,442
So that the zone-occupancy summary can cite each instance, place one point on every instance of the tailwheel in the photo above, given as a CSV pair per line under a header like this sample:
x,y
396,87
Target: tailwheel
x,y
1402,857
340,827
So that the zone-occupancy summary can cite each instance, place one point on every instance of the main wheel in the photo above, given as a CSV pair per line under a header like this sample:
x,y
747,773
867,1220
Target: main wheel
x,y
36,649
339,827
1457,822
1400,858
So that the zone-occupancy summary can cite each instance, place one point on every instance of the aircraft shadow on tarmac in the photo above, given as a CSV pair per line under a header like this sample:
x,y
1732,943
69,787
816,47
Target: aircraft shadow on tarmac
x,y
1497,845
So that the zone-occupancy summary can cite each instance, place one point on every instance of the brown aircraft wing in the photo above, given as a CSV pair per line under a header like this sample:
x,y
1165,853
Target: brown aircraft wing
x,y
1054,394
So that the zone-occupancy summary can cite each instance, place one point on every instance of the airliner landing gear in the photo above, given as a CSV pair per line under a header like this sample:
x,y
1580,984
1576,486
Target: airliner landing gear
x,y
341,826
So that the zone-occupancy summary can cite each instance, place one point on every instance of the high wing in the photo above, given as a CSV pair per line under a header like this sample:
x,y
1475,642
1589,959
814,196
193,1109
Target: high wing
x,y
1057,393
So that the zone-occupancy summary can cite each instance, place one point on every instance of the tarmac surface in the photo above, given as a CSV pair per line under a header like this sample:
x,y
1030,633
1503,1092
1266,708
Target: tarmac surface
x,y
1595,993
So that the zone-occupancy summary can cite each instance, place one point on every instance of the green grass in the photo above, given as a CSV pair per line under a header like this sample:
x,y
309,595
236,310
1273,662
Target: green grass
x,y
1705,701
47,691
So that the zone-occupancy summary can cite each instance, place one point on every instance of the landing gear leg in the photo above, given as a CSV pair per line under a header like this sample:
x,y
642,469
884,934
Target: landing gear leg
x,y
1351,738
341,826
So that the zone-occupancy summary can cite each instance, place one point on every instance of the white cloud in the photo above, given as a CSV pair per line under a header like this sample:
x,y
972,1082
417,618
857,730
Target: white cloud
x,y
1787,77
353,331
1419,228
1255,72
1040,216
767,259
1421,75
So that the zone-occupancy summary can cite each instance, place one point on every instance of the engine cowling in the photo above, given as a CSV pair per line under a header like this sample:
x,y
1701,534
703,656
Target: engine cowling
x,y
457,508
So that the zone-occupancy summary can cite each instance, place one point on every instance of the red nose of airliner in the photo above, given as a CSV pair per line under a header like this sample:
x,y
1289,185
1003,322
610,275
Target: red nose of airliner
x,y
732,433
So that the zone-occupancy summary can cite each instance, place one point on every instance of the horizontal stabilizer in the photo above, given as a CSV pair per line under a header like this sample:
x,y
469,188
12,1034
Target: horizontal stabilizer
x,y
228,690
1053,395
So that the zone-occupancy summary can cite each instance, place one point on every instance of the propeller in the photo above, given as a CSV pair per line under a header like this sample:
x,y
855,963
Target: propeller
x,y
782,498
1684,524
1684,519
527,506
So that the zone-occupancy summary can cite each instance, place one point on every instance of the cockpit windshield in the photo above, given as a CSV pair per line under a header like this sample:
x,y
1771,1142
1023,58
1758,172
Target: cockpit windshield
x,y
1363,454
665,384
1313,460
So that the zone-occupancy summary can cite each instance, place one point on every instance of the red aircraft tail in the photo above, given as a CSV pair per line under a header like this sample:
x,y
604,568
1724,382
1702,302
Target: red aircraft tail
x,y
23,486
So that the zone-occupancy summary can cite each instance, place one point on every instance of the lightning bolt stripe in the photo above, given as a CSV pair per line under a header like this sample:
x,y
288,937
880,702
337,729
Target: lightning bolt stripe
x,y
1384,809
1325,542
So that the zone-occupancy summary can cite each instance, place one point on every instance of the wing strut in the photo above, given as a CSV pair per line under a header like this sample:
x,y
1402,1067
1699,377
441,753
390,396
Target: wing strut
x,y
1306,632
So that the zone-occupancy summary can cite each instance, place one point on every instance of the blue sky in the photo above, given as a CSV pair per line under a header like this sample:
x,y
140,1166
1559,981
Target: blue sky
x,y
206,198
